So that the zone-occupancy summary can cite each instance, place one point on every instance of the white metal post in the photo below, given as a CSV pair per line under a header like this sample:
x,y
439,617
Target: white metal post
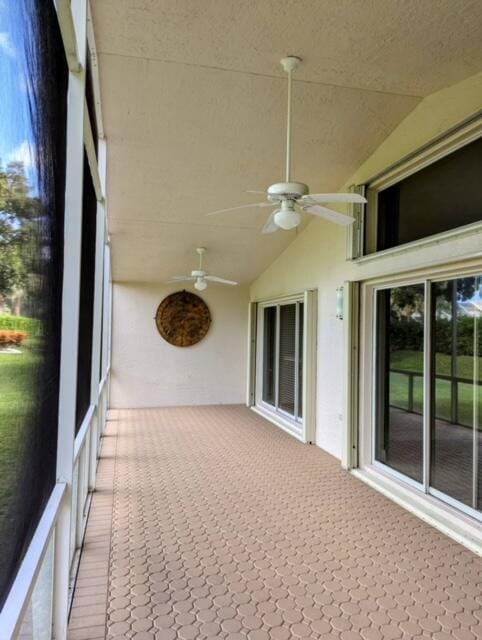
x,y
70,316
96,332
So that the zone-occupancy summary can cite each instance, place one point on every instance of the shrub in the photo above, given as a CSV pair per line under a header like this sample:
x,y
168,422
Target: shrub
x,y
32,326
10,338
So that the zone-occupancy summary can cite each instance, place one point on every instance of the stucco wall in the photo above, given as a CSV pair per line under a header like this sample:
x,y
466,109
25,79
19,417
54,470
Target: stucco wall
x,y
149,372
317,257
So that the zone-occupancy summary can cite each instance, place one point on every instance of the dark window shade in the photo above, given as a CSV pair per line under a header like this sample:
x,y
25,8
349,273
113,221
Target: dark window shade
x,y
87,277
287,348
445,195
269,356
33,101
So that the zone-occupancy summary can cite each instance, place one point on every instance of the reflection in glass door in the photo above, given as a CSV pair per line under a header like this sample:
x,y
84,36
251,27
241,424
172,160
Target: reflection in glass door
x,y
434,439
399,397
455,421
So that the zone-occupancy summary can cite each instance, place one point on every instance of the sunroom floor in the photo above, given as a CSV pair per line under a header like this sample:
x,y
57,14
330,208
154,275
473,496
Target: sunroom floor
x,y
209,522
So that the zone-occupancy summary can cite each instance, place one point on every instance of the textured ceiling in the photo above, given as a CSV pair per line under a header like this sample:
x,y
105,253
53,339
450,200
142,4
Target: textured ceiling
x,y
194,106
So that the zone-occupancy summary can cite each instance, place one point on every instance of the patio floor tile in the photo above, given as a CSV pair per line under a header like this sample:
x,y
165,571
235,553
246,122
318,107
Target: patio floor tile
x,y
215,524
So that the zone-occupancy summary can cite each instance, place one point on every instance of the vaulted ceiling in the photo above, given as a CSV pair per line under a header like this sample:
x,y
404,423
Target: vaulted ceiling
x,y
194,103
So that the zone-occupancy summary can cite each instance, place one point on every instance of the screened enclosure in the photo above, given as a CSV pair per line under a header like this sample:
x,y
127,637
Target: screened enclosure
x,y
55,306
32,184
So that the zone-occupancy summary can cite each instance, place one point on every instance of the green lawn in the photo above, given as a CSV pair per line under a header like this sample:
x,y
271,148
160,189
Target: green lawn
x,y
413,361
17,380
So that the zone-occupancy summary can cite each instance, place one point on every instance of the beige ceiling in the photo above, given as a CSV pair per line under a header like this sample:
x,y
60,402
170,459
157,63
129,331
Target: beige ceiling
x,y
194,106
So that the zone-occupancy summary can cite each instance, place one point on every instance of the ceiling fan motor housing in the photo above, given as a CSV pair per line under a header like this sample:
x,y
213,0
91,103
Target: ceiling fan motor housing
x,y
198,273
287,191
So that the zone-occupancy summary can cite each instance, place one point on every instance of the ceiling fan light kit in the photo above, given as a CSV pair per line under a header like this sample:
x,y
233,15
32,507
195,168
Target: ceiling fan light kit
x,y
294,198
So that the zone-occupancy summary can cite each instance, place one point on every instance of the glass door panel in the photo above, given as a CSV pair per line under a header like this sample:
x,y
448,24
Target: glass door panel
x,y
269,355
287,358
399,379
456,366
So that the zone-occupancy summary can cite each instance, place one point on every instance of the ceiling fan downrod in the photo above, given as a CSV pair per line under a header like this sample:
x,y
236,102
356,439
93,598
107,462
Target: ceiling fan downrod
x,y
289,64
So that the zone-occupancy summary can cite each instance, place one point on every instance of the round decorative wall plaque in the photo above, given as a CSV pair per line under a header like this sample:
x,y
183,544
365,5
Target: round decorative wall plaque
x,y
183,319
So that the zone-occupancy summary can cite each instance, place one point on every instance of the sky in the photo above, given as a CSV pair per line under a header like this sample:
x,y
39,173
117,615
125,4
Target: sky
x,y
16,139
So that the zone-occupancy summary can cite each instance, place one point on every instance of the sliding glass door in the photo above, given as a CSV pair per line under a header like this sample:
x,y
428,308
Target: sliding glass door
x,y
281,352
428,381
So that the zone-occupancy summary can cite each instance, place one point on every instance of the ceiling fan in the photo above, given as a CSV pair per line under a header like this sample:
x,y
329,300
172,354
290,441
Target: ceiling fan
x,y
200,277
291,198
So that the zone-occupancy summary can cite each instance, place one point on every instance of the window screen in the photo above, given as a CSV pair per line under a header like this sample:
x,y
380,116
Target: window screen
x,y
87,277
445,195
33,100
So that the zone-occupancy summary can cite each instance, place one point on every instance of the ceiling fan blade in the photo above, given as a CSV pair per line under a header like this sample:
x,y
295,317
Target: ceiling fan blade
x,y
220,280
322,198
251,191
181,279
270,226
243,206
329,214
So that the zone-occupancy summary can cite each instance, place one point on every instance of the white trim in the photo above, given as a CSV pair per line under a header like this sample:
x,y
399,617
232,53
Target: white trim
x,y
310,349
453,502
251,365
452,140
277,419
438,238
70,320
12,613
351,314
94,64
427,386
449,521
68,32
91,154
83,431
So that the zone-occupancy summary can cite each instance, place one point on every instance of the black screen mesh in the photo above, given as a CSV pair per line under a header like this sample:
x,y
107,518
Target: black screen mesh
x,y
87,276
33,100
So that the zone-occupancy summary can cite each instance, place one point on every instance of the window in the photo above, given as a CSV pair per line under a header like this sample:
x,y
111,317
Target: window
x,y
428,421
33,103
281,359
442,196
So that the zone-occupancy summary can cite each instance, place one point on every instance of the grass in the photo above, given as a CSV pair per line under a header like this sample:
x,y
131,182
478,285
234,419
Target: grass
x,y
17,388
413,361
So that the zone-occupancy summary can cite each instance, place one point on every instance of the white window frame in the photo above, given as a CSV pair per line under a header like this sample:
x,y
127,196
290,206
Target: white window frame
x,y
452,517
302,428
463,134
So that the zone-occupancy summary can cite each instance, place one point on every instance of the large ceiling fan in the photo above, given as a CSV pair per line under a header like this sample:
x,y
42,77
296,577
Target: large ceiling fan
x,y
292,198
200,277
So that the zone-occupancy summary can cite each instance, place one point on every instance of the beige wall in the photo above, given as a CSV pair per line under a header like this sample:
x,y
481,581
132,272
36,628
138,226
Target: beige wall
x,y
149,372
317,257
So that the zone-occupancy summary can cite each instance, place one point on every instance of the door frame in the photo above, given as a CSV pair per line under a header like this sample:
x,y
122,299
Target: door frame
x,y
367,375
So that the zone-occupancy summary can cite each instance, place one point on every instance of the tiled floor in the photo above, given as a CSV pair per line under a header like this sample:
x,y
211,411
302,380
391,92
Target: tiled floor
x,y
225,527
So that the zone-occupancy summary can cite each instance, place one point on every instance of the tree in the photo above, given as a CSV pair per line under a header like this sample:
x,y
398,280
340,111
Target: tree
x,y
20,226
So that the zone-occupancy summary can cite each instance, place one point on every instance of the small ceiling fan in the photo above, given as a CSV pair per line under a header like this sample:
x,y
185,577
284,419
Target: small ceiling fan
x,y
291,198
200,277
